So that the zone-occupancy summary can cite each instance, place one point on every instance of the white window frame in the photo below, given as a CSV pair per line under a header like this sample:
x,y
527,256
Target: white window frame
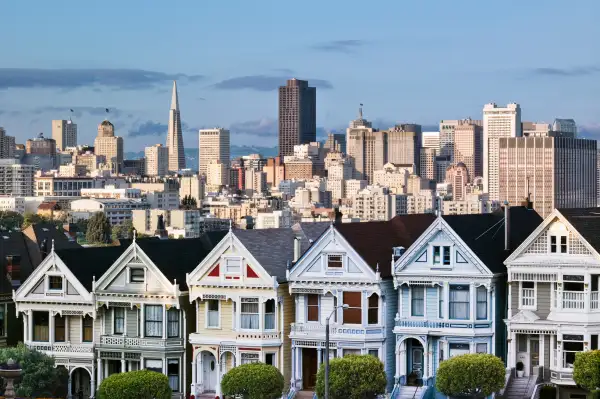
x,y
440,298
130,274
442,245
528,307
225,268
206,310
249,357
318,309
274,358
62,290
558,245
481,343
335,268
410,304
113,321
252,300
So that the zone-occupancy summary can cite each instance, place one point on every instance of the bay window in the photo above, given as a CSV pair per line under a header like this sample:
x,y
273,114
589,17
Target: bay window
x,y
173,323
482,304
417,301
527,295
353,315
270,314
153,319
249,314
173,374
572,343
459,302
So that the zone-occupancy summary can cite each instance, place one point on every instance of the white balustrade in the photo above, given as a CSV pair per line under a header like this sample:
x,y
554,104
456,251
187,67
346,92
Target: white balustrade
x,y
574,300
594,300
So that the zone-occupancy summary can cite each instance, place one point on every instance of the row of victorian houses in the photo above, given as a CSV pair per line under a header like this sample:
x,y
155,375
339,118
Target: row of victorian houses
x,y
419,289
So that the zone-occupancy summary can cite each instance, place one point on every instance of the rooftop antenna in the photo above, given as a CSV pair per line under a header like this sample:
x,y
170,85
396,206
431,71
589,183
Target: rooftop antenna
x,y
107,111
53,245
360,114
71,114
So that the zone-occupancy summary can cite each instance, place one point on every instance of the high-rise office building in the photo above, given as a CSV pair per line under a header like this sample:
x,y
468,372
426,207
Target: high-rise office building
x,y
157,160
497,122
404,145
431,140
566,127
40,145
214,145
109,146
16,180
335,142
64,132
367,148
555,172
7,145
447,132
175,135
428,163
297,115
468,147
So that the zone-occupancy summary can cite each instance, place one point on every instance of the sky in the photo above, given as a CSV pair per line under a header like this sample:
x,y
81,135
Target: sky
x,y
406,61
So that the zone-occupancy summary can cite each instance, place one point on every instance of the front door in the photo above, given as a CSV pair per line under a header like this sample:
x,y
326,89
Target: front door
x,y
534,354
417,361
310,366
80,384
209,372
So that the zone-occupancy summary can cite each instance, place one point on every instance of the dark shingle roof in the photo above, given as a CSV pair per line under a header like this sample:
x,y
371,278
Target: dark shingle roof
x,y
587,223
484,233
309,232
374,241
272,248
12,243
174,258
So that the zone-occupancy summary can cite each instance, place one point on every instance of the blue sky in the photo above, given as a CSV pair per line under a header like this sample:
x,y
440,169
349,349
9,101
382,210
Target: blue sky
x,y
407,61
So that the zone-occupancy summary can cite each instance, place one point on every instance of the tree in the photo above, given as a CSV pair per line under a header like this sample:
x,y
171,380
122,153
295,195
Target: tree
x,y
476,375
189,202
98,231
10,220
586,369
40,377
344,382
141,384
123,230
253,381
30,218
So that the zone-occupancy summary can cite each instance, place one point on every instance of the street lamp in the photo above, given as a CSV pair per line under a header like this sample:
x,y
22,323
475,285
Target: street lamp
x,y
344,306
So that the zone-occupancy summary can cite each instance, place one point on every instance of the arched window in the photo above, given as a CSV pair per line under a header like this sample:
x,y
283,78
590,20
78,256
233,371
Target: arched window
x,y
373,317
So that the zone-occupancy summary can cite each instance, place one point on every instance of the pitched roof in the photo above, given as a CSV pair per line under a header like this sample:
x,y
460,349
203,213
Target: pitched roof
x,y
12,243
174,258
272,248
587,223
309,232
374,241
484,233
39,237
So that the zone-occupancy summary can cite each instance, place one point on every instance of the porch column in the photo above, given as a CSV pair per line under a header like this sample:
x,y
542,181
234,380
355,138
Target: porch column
x,y
298,364
93,388
509,314
559,353
105,373
69,395
542,345
512,350
123,363
397,375
552,345
67,337
218,386
293,376
403,358
319,357
429,358
51,327
193,373
26,323
142,321
99,371
164,323
425,360
473,302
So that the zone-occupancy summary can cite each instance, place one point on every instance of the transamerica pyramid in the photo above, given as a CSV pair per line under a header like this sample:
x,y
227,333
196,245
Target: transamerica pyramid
x,y
175,135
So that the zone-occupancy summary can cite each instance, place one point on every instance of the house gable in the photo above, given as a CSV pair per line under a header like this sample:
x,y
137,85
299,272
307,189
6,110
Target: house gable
x,y
332,258
230,264
52,281
440,251
134,272
552,235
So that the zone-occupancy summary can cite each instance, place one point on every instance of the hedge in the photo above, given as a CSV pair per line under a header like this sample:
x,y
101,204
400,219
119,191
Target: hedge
x,y
548,392
475,375
353,377
141,384
253,381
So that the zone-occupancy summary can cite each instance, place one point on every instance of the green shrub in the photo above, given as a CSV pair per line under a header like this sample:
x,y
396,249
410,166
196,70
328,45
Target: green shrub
x,y
40,378
595,394
475,375
141,384
353,377
548,392
586,369
253,381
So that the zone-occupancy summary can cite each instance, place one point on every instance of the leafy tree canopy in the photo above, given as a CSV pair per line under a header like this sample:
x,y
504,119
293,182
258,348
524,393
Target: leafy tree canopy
x,y
586,369
476,375
98,230
10,220
253,381
353,377
123,230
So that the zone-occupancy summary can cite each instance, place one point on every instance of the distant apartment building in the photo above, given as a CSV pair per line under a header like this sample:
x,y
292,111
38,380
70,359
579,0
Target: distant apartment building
x,y
447,135
64,133
72,170
190,221
366,148
56,186
468,147
90,160
117,211
554,172
160,194
214,146
40,146
458,176
273,220
7,145
498,122
156,160
16,179
472,204
404,145
428,167
217,175
376,203
12,204
275,171
394,177
192,186
297,115
431,140
566,127
109,146
111,191
533,129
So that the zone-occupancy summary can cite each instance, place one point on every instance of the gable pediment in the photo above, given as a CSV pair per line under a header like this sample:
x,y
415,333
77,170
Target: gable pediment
x,y
331,257
229,263
52,280
524,316
440,251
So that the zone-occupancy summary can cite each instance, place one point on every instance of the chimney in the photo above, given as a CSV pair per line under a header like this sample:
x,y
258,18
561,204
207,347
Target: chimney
x,y
296,249
506,226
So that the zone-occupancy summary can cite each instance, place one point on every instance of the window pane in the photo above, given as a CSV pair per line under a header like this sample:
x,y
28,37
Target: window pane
x,y
334,261
213,313
59,329
417,301
353,315
481,303
153,320
436,255
119,320
459,302
55,283
373,311
40,326
88,329
173,323
352,299
481,348
173,374
446,255
270,314
249,314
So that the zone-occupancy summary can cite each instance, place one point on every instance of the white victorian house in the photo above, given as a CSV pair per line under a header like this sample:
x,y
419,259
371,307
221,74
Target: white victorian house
x,y
553,307
451,292
349,264
58,319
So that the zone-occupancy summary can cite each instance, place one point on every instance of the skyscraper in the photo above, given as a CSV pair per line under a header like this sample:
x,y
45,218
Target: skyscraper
x,y
157,160
109,146
367,148
468,147
431,140
7,145
64,133
214,145
567,127
404,145
497,122
297,115
555,172
175,135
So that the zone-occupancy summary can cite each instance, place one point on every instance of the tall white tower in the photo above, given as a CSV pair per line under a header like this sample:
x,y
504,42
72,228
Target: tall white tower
x,y
175,135
497,122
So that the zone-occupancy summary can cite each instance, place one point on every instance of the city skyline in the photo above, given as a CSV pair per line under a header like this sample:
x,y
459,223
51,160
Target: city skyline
x,y
235,84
